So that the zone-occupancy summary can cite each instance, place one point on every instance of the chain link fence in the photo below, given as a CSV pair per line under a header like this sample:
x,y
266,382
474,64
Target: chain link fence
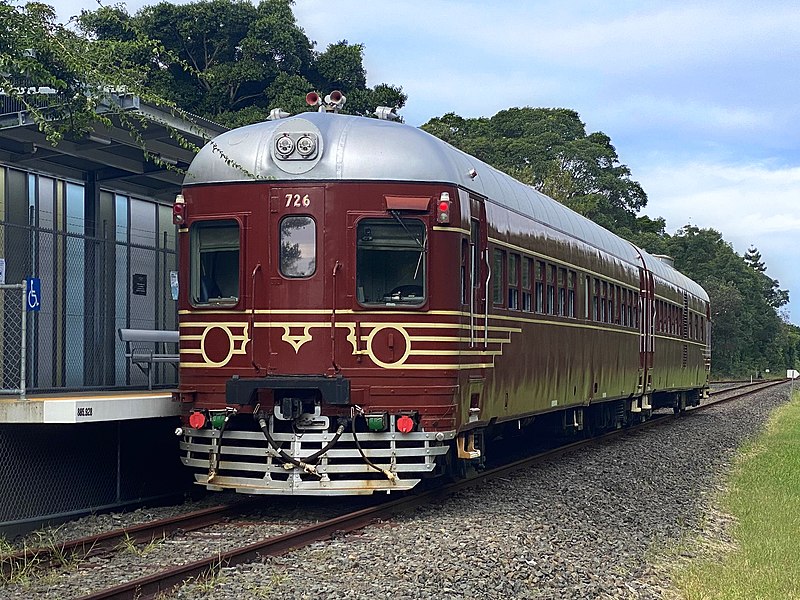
x,y
12,341
91,286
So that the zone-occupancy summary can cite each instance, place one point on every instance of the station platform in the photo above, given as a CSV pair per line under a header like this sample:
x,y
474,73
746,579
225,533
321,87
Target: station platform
x,y
68,454
88,407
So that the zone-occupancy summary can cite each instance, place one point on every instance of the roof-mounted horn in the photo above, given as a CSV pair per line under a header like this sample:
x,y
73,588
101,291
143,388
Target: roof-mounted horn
x,y
333,102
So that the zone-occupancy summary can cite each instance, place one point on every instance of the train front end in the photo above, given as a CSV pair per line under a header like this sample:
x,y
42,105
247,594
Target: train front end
x,y
311,321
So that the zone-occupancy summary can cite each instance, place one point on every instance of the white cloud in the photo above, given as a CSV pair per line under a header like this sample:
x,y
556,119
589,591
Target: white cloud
x,y
604,39
750,204
753,199
702,120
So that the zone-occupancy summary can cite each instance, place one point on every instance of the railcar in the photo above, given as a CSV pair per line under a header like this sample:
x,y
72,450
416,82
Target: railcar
x,y
361,304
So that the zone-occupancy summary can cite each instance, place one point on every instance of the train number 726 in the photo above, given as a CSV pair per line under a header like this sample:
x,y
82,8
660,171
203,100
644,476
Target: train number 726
x,y
296,201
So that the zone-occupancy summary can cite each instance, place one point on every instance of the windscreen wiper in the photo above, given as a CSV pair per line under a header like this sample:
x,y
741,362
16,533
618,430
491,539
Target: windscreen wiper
x,y
408,231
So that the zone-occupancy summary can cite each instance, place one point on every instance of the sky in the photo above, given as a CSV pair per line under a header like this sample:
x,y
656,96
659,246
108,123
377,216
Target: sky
x,y
701,99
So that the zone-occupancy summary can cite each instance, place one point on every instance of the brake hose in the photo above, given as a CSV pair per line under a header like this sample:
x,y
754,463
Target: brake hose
x,y
389,475
215,451
291,462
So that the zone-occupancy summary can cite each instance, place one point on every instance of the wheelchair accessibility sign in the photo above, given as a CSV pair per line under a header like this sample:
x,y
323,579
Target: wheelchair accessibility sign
x,y
33,294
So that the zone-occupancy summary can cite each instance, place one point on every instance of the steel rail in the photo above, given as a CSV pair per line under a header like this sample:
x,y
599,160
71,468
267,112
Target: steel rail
x,y
749,387
149,587
107,541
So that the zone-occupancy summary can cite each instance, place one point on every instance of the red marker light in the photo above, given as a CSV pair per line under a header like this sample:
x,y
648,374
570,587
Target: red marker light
x,y
197,420
179,211
405,424
443,209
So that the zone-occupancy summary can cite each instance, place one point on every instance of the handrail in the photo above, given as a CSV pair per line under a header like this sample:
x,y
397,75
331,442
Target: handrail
x,y
486,300
252,320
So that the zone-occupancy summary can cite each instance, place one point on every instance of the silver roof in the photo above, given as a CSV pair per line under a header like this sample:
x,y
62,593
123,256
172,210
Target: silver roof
x,y
661,269
364,149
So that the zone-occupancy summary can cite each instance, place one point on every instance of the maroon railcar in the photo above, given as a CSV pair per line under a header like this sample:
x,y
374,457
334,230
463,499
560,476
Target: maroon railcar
x,y
361,302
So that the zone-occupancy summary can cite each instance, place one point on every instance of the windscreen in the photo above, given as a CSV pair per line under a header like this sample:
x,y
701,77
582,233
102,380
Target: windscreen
x,y
391,262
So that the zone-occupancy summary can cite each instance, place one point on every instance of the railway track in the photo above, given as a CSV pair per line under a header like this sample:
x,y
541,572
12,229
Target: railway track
x,y
108,541
151,586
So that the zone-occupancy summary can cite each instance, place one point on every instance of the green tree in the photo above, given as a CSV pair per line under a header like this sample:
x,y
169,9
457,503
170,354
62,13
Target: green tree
x,y
68,82
341,65
550,150
60,77
748,334
774,296
232,61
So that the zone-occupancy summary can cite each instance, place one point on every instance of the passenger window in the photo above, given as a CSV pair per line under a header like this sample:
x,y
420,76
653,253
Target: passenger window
x,y
551,289
623,304
475,243
526,284
214,258
391,262
298,239
465,288
539,286
497,277
586,291
603,305
513,281
572,281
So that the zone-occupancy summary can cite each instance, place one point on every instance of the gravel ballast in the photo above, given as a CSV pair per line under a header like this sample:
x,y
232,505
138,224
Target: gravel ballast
x,y
600,522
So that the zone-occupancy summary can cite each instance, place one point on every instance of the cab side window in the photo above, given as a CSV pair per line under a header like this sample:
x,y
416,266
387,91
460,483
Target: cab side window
x,y
214,256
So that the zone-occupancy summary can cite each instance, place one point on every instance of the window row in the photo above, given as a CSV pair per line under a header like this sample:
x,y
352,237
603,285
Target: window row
x,y
215,256
539,286
522,283
390,259
611,303
671,319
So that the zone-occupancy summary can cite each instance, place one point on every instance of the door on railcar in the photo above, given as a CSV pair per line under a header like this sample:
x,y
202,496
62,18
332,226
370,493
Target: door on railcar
x,y
480,273
646,329
292,287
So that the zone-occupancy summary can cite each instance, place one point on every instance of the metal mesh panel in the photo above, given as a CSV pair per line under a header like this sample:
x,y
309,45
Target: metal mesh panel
x,y
11,351
91,287
51,470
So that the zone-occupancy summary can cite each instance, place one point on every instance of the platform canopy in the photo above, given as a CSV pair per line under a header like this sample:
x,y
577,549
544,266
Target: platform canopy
x,y
111,157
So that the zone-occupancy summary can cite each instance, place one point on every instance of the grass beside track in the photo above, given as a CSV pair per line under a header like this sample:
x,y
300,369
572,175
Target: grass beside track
x,y
764,501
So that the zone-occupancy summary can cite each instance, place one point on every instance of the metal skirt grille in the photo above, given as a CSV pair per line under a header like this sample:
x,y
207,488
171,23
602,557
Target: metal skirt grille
x,y
48,471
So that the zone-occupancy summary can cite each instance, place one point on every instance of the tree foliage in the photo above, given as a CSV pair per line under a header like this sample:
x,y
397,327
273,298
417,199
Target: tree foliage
x,y
549,149
226,60
59,76
233,61
748,335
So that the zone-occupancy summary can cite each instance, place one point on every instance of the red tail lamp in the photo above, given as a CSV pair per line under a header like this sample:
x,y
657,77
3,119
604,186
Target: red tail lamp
x,y
405,424
443,209
197,420
179,211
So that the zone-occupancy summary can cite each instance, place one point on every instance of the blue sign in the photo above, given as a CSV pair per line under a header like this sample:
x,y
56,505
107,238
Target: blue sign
x,y
34,294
